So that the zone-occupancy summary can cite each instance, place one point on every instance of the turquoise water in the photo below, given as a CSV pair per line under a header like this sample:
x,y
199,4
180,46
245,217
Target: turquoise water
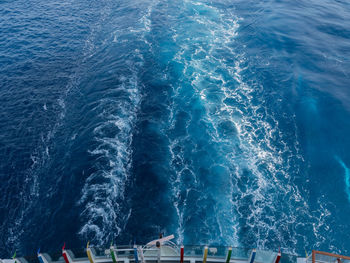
x,y
222,122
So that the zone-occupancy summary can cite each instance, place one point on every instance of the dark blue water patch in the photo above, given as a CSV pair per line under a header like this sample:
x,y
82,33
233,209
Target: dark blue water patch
x,y
149,192
40,56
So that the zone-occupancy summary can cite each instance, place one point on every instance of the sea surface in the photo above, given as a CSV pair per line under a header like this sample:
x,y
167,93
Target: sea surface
x,y
223,122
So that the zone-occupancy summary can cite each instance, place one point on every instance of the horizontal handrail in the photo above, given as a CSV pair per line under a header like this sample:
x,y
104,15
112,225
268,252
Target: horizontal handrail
x,y
314,252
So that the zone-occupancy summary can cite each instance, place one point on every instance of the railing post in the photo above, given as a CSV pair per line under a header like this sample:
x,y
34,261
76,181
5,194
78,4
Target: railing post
x,y
135,254
278,257
252,256
182,254
64,254
139,249
159,251
229,253
313,256
205,254
41,257
114,258
89,253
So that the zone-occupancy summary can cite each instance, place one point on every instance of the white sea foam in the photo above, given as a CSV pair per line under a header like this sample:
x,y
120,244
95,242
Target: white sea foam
x,y
242,131
177,145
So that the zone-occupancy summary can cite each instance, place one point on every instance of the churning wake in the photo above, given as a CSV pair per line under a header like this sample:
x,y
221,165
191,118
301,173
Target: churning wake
x,y
229,163
228,169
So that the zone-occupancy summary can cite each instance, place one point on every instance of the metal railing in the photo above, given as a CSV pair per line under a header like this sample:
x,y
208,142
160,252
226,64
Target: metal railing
x,y
196,252
192,254
325,257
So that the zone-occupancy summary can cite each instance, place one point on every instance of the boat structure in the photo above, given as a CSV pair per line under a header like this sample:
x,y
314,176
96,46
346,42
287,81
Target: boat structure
x,y
163,250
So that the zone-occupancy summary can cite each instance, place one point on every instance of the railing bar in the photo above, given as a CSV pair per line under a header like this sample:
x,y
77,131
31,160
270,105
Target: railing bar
x,y
330,254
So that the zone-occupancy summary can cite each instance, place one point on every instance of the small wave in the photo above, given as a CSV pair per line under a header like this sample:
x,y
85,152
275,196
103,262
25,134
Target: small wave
x,y
346,176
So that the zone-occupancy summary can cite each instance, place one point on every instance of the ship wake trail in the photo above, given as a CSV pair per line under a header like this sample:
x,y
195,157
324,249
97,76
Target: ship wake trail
x,y
103,192
116,104
230,163
190,117
37,177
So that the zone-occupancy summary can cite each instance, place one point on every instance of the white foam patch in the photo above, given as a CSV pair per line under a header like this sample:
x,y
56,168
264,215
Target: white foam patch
x,y
213,25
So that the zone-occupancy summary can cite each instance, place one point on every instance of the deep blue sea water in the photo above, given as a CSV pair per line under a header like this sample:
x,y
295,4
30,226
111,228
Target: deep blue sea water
x,y
223,122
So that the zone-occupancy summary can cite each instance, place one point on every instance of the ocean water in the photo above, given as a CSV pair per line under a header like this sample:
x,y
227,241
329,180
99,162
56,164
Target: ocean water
x,y
221,122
